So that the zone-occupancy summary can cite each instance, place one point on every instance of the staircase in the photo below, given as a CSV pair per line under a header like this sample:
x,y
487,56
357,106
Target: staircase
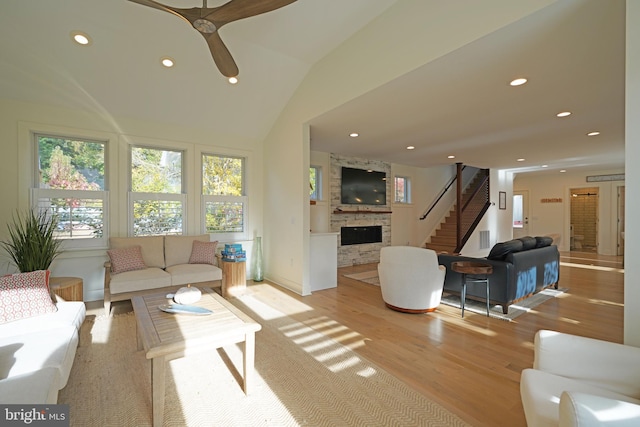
x,y
444,238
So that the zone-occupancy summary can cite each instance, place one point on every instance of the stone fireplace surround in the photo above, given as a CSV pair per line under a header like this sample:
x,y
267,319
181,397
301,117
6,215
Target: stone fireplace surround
x,y
359,215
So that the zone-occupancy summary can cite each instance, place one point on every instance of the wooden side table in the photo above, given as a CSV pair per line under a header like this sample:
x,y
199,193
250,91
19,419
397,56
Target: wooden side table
x,y
472,272
67,288
234,278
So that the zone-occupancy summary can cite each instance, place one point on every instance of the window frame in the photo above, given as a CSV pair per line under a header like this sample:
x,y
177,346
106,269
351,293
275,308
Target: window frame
x,y
210,198
36,193
317,192
406,192
135,196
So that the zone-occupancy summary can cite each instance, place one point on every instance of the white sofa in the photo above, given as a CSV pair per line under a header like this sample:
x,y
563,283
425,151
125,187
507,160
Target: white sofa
x,y
37,353
578,381
166,266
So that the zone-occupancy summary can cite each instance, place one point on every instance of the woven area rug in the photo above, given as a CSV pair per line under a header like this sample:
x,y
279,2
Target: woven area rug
x,y
478,307
495,311
370,277
302,378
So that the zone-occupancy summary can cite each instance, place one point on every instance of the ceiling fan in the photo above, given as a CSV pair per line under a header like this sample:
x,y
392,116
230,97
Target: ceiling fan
x,y
208,20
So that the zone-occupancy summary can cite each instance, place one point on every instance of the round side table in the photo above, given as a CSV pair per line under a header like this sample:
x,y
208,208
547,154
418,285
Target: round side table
x,y
472,272
67,288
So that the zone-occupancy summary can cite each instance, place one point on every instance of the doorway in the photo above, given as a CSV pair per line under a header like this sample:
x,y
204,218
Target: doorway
x,y
584,219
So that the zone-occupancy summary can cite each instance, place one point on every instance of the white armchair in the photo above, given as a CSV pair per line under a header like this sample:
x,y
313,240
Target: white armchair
x,y
410,278
578,381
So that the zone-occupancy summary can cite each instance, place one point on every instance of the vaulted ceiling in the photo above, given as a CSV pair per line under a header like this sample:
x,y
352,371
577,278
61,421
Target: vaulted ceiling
x,y
461,104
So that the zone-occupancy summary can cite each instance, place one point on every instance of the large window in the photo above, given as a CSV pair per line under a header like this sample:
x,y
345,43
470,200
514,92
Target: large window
x,y
70,183
402,189
224,199
156,200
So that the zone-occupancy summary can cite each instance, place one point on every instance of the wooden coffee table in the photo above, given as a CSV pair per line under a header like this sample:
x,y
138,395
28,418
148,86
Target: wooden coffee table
x,y
166,336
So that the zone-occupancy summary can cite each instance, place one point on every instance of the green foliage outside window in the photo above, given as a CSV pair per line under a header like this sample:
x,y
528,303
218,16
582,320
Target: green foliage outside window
x,y
222,183
156,171
222,176
313,187
70,164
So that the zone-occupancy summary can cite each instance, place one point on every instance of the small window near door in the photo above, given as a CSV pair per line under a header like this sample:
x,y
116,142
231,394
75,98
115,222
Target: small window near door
x,y
402,189
518,219
315,183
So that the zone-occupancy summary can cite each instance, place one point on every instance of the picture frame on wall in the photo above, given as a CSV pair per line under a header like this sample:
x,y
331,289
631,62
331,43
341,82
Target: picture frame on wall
x,y
502,200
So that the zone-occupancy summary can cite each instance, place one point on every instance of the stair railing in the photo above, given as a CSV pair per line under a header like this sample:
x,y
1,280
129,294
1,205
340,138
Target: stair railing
x,y
471,206
443,192
470,212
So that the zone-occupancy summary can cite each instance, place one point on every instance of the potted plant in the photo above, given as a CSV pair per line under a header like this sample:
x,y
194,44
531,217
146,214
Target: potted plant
x,y
32,244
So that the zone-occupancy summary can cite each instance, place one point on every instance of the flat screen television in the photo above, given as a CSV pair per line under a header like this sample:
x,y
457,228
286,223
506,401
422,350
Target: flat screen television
x,y
363,187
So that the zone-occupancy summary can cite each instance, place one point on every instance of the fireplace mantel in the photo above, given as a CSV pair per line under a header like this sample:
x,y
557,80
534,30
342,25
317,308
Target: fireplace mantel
x,y
361,212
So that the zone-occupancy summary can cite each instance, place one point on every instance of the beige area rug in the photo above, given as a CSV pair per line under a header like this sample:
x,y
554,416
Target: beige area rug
x,y
303,378
370,277
516,309
479,307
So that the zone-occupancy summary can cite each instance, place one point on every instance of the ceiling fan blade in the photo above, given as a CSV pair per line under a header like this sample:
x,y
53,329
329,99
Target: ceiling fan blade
x,y
221,55
240,9
160,6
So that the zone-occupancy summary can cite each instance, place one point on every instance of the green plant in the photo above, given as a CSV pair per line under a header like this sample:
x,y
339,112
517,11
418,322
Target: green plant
x,y
31,244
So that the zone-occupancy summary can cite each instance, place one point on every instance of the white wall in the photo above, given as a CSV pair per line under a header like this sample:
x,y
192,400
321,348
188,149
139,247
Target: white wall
x,y
497,221
15,117
547,218
632,155
426,183
354,68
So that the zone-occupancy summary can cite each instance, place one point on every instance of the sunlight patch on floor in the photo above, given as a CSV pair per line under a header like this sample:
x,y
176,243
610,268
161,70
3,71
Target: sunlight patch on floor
x,y
601,301
265,311
591,267
103,336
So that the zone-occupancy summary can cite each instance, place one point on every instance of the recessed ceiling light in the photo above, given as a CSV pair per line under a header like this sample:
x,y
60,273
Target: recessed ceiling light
x,y
80,38
411,147
167,62
354,134
545,166
563,170
564,114
521,160
518,82
233,80
593,133
451,157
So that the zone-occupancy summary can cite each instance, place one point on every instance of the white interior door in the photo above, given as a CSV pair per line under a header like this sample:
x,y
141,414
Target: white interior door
x,y
520,213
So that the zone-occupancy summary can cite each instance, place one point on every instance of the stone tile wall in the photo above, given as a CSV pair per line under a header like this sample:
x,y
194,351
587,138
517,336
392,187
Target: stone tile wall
x,y
366,215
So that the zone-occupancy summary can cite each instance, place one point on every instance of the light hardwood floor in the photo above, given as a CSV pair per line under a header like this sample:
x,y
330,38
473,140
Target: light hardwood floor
x,y
471,366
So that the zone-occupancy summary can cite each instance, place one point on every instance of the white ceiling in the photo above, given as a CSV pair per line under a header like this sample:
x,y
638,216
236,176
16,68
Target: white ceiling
x,y
119,74
460,104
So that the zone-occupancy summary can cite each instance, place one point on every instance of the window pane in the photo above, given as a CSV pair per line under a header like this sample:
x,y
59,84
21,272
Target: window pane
x,y
156,217
70,164
224,217
313,183
156,171
222,176
77,218
518,220
401,189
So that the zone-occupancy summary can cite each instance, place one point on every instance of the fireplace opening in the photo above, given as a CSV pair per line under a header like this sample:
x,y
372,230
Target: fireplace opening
x,y
360,235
